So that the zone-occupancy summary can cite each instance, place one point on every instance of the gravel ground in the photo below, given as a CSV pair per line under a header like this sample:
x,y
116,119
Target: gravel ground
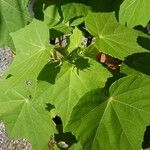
x,y
6,58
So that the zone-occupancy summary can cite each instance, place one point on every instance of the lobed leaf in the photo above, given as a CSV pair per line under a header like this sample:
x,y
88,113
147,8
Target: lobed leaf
x,y
134,12
23,112
13,16
111,37
33,50
72,82
114,121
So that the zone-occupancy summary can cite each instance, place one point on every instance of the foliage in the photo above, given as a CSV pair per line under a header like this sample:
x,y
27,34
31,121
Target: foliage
x,y
80,73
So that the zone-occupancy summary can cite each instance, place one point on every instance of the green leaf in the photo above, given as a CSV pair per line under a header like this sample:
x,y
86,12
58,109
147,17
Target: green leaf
x,y
22,108
134,12
13,16
110,121
75,40
33,49
136,64
60,30
91,51
52,16
77,21
73,82
111,37
55,22
72,9
146,149
76,146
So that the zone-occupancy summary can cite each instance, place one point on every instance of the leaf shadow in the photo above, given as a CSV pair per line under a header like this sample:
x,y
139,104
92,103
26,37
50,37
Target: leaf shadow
x,y
87,103
116,76
142,29
54,33
117,8
95,6
40,5
139,61
81,63
49,107
144,42
66,137
146,138
49,72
